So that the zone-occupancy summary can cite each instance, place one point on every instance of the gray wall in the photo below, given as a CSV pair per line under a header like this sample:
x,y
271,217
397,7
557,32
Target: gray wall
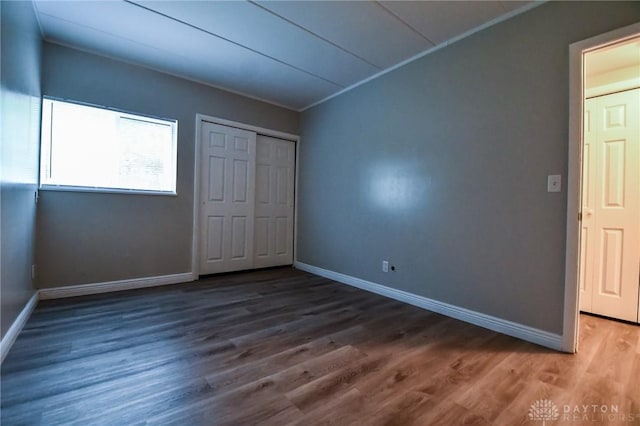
x,y
97,237
20,123
441,168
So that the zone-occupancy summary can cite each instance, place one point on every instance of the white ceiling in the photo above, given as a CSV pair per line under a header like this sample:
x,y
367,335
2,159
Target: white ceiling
x,y
290,53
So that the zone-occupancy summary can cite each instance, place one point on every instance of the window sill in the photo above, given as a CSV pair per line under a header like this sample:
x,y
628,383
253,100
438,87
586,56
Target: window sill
x,y
99,190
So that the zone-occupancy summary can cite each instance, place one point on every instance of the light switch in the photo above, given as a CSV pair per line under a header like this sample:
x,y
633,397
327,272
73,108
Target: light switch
x,y
554,183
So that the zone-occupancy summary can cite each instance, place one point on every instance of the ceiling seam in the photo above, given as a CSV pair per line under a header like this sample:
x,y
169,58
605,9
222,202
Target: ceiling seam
x,y
172,74
337,46
430,50
404,22
151,67
136,42
237,44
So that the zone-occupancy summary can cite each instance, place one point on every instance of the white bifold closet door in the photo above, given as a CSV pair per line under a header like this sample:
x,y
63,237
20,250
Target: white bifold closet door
x,y
227,182
246,200
275,173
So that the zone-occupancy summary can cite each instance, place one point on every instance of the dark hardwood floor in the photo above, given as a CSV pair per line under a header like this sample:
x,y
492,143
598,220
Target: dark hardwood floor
x,y
279,347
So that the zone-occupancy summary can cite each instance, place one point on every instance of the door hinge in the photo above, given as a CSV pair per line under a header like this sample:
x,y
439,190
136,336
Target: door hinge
x,y
579,216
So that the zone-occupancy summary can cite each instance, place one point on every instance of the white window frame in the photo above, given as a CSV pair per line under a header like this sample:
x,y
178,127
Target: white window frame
x,y
45,154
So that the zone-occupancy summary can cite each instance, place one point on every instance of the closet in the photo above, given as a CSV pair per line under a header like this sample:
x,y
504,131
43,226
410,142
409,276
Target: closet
x,y
610,214
610,240
246,199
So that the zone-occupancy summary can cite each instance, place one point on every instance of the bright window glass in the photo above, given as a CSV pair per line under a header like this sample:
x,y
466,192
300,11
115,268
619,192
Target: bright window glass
x,y
91,148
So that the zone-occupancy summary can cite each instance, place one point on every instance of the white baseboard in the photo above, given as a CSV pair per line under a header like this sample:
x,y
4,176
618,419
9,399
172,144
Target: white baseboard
x,y
109,286
530,334
12,334
82,290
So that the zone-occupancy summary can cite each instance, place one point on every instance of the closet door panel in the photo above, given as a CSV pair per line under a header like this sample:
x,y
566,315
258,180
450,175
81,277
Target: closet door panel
x,y
274,201
227,198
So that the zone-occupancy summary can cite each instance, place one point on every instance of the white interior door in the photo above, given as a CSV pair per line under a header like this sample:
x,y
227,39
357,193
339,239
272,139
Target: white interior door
x,y
227,193
275,174
610,258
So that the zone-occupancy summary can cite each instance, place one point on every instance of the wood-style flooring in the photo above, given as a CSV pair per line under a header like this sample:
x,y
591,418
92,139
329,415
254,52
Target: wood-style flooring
x,y
280,347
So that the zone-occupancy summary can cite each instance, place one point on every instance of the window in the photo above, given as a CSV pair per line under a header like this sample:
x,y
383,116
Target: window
x,y
96,149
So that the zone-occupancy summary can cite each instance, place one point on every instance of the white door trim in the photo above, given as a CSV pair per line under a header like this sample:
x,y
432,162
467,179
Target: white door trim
x,y
574,175
195,246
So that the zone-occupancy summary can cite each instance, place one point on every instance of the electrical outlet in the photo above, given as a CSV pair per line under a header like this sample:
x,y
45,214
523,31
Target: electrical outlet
x,y
385,266
554,183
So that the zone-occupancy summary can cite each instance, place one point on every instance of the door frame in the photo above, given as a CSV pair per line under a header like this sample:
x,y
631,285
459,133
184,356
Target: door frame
x,y
195,242
574,175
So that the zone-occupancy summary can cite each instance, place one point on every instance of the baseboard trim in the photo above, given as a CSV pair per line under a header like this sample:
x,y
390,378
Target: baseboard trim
x,y
18,324
110,286
530,334
82,290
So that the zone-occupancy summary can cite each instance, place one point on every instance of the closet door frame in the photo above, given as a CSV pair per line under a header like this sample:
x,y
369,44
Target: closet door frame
x,y
195,246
